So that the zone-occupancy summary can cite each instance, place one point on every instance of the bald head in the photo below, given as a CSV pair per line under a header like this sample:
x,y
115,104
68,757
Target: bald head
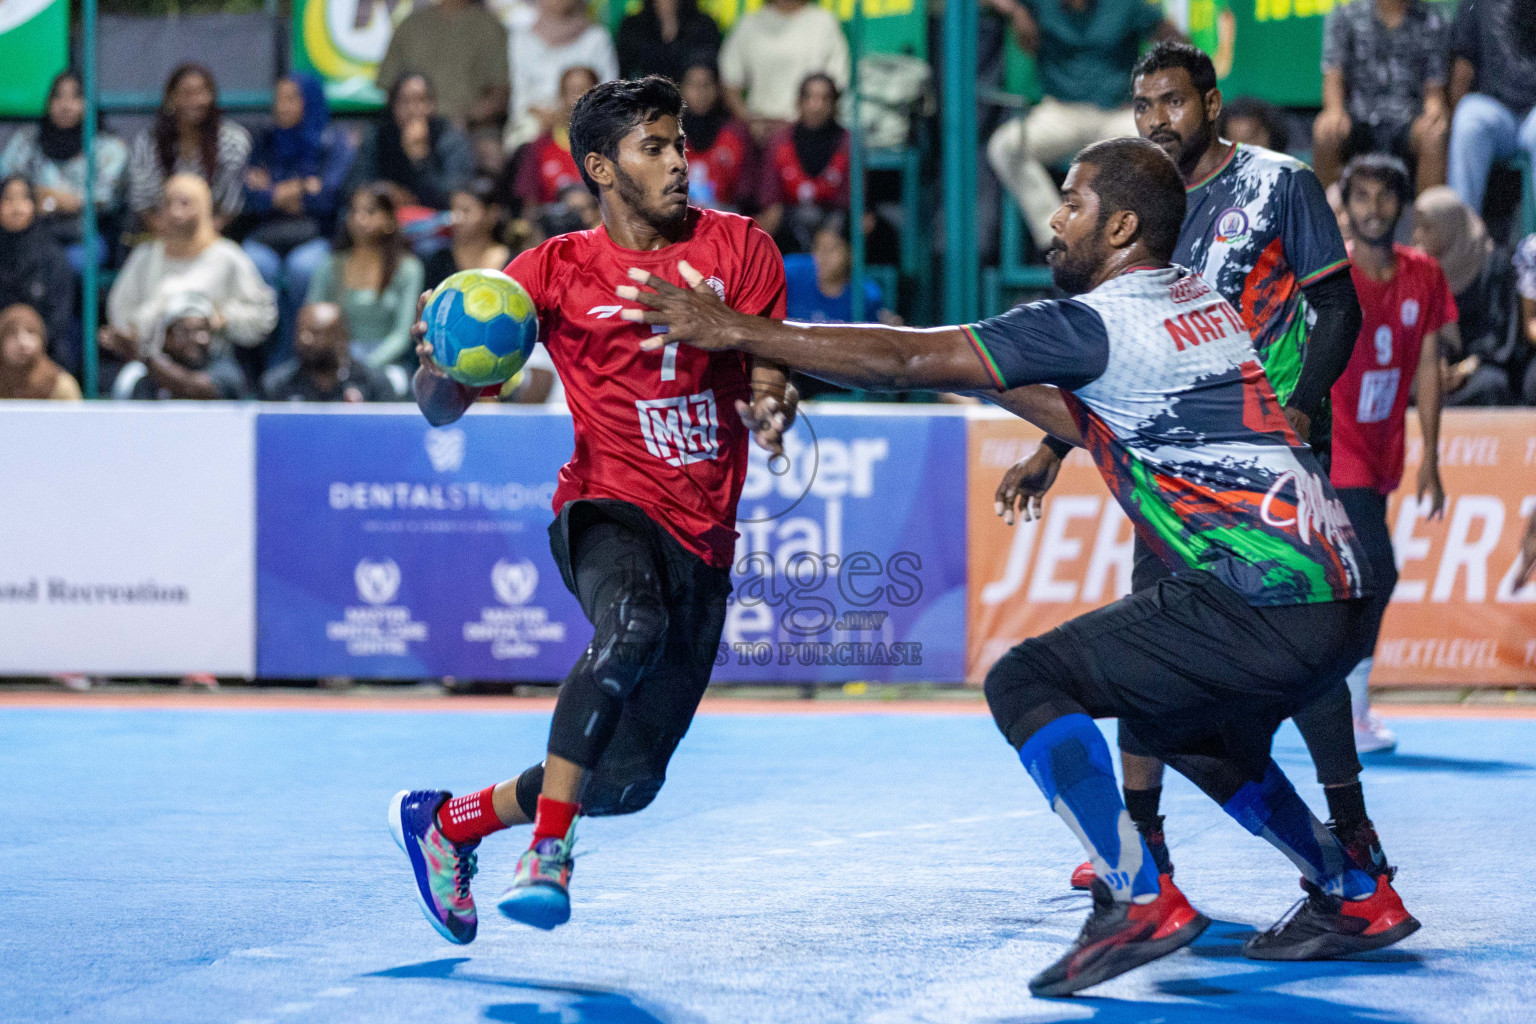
x,y
321,336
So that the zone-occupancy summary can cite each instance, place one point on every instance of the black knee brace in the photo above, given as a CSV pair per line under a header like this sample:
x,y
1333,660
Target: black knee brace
x,y
1022,694
631,773
529,785
630,632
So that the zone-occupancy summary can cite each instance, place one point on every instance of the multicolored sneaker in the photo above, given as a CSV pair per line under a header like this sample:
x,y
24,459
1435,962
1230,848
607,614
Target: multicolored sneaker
x,y
1322,927
1157,845
540,891
442,870
1118,937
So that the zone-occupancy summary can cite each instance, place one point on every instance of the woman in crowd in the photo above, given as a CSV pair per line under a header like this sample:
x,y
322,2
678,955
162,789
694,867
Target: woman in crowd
x,y
477,234
1255,123
374,278
25,369
722,163
666,37
50,153
561,35
807,168
34,270
292,189
418,156
1482,280
187,258
544,166
190,136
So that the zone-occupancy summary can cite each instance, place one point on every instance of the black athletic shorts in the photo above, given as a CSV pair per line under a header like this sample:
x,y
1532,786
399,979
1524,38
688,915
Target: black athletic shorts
x,y
657,714
1189,667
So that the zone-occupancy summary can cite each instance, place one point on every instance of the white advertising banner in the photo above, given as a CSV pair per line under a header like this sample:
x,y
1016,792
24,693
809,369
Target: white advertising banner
x,y
127,539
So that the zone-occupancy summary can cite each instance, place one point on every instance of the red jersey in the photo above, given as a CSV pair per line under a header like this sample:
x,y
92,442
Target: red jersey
x,y
656,429
545,170
786,181
717,176
1370,400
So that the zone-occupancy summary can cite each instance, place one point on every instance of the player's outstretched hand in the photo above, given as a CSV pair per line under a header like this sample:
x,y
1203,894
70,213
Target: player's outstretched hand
x,y
769,416
1022,490
1527,553
694,314
419,335
1429,483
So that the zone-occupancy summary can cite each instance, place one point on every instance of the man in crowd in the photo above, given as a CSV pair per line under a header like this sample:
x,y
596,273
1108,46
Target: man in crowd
x,y
1493,90
1083,52
322,368
1384,87
183,359
463,47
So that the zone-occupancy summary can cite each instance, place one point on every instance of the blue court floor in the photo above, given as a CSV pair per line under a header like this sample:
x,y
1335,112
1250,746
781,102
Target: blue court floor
x,y
233,867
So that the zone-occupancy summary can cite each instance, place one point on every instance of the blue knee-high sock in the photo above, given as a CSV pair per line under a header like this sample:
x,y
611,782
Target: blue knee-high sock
x,y
1272,809
1069,761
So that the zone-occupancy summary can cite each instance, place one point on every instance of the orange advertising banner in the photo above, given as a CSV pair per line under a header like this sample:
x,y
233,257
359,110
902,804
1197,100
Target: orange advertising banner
x,y
1454,619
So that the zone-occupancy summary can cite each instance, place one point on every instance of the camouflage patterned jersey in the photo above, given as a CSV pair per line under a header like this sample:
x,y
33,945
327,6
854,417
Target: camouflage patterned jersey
x,y
1259,228
1167,390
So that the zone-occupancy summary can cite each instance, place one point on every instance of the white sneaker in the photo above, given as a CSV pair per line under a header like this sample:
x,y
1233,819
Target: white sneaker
x,y
1371,737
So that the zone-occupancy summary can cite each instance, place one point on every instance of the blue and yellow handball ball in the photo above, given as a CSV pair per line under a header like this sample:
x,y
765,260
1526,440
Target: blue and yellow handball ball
x,y
482,327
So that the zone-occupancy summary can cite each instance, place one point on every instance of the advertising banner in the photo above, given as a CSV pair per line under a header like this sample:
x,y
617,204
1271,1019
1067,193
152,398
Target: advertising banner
x,y
128,539
34,46
851,561
390,549
1455,618
343,42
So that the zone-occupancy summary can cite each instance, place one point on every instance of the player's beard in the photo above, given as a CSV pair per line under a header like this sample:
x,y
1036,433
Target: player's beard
x,y
1072,269
1186,152
1381,241
635,197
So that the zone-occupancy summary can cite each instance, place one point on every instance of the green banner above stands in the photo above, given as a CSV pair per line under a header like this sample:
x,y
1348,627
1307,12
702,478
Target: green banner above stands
x,y
342,42
34,46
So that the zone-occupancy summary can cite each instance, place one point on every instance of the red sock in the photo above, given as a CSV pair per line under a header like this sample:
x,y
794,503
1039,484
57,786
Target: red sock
x,y
553,819
468,818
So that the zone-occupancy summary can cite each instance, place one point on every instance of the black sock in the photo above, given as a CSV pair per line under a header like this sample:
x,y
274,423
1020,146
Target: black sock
x,y
1142,804
1346,806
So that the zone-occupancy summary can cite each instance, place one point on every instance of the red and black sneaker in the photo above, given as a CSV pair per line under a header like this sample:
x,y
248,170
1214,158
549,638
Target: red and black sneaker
x,y
1323,927
1120,936
1152,831
1364,848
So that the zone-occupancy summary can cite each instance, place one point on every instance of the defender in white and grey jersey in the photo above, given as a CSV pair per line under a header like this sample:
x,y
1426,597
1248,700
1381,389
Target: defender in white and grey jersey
x,y
1156,376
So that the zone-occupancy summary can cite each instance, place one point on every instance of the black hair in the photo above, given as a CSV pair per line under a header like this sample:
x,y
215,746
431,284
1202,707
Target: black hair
x,y
1267,114
819,76
1170,56
608,112
1382,167
581,69
167,132
399,83
1136,175
485,191
395,248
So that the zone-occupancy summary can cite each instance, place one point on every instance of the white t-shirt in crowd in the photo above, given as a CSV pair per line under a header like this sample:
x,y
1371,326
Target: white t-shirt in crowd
x,y
769,53
537,66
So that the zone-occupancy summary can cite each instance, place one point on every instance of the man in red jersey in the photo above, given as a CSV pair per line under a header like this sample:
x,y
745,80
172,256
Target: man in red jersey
x,y
645,510
1407,311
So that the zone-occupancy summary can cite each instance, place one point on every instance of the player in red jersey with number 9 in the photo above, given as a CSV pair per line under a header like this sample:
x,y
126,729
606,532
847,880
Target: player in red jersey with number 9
x,y
645,510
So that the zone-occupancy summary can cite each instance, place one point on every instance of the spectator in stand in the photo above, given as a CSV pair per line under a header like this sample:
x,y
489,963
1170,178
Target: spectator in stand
x,y
666,37
375,280
820,284
1493,91
50,153
559,35
1482,280
477,229
35,271
292,189
806,168
25,369
1384,88
1525,285
465,46
184,359
417,155
576,210
544,166
190,136
722,165
1084,51
769,54
1255,123
322,368
188,258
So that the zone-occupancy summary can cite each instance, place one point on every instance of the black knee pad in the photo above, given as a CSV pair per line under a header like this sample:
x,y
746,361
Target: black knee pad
x,y
632,770
629,637
529,785
1023,693
608,796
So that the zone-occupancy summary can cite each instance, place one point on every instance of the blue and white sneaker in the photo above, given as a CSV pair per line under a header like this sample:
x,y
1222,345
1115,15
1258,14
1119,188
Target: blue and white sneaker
x,y
442,870
540,891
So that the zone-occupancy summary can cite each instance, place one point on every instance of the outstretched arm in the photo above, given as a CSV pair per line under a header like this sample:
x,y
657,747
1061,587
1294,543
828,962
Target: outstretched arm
x,y
440,398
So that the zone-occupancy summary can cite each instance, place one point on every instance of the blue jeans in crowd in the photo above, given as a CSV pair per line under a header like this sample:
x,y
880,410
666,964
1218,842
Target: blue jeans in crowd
x,y
1484,132
289,277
